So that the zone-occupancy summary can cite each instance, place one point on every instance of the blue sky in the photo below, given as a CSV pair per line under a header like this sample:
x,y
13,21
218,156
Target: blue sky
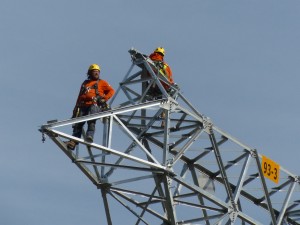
x,y
236,61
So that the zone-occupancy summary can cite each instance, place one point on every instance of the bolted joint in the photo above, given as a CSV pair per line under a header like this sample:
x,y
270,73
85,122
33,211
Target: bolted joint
x,y
51,134
169,164
169,180
169,104
104,185
233,212
253,153
207,125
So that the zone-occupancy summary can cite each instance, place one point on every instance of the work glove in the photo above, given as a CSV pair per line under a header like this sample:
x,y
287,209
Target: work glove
x,y
100,100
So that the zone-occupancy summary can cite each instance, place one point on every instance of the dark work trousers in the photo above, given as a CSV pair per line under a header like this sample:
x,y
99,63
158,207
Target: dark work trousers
x,y
84,111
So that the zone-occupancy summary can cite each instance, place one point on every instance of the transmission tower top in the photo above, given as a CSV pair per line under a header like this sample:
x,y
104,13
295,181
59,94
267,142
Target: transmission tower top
x,y
168,164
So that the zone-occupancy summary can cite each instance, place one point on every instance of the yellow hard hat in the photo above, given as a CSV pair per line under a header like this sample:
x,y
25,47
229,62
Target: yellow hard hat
x,y
160,50
94,67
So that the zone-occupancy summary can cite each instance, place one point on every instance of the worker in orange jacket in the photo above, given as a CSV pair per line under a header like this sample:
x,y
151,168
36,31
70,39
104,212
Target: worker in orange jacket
x,y
92,98
158,59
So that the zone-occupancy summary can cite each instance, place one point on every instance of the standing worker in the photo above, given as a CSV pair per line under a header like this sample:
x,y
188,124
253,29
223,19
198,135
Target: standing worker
x,y
92,98
158,59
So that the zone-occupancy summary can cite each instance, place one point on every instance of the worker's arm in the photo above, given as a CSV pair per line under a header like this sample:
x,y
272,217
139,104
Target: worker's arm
x,y
106,91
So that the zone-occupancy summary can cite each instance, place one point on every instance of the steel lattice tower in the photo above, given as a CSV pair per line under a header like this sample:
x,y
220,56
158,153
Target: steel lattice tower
x,y
186,172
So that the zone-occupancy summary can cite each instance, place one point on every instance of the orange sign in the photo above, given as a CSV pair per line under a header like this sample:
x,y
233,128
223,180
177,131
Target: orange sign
x,y
270,169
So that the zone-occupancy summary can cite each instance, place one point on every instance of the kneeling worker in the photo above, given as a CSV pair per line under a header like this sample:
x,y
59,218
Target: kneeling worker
x,y
92,98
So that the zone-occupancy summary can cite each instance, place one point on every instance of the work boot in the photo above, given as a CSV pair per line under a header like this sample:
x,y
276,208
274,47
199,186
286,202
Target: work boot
x,y
71,144
89,139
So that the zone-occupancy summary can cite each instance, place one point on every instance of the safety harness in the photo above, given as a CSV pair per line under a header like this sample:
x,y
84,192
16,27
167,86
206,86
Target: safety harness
x,y
95,86
85,89
161,66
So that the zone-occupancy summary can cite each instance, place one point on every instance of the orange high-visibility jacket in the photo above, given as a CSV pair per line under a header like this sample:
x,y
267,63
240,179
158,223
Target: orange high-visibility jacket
x,y
87,92
167,72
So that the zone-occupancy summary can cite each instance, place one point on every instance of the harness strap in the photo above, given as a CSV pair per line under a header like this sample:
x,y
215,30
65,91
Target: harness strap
x,y
95,86
84,88
161,67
